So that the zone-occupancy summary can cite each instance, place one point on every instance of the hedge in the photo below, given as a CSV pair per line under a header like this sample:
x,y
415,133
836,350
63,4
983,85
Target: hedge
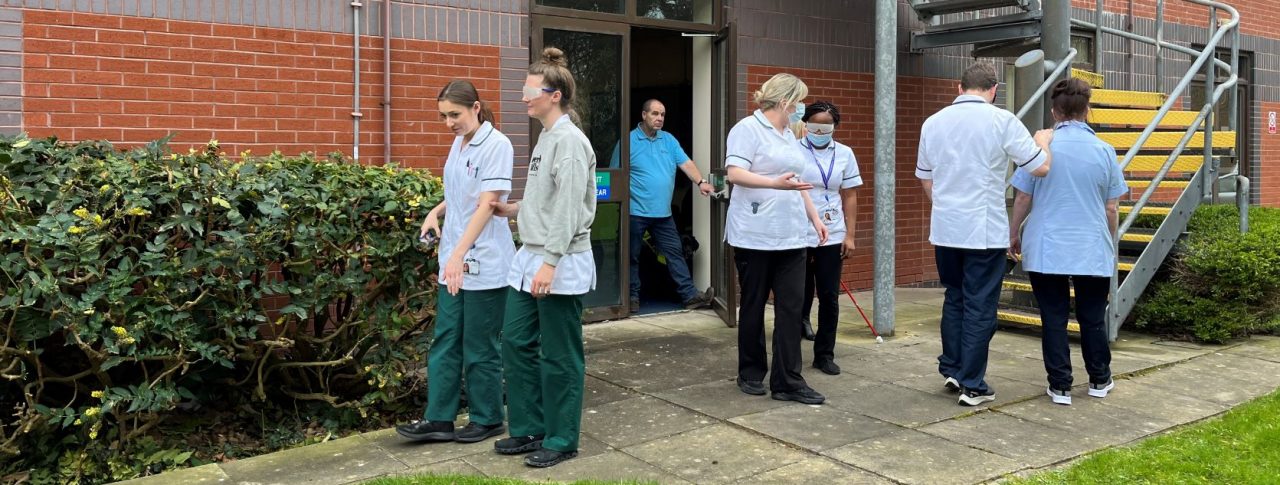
x,y
141,286
1222,284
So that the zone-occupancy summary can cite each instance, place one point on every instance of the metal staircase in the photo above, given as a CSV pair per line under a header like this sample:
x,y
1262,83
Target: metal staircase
x,y
1170,161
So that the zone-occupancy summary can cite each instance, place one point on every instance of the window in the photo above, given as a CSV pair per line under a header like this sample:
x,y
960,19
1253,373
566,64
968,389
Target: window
x,y
686,10
606,6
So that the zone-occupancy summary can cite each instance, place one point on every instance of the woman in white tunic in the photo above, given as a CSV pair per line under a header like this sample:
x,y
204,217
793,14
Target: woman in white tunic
x,y
476,249
770,224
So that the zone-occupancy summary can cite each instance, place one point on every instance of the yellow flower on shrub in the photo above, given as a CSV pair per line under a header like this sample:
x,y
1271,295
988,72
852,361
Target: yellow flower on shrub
x,y
103,189
137,211
78,422
93,435
81,213
91,412
89,311
120,331
97,394
98,221
75,230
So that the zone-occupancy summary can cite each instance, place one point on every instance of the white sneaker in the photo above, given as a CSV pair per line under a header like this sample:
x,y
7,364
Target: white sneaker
x,y
1101,390
951,384
1059,397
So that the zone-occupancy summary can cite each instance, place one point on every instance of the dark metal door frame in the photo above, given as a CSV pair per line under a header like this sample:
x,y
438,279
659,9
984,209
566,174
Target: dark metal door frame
x,y
724,82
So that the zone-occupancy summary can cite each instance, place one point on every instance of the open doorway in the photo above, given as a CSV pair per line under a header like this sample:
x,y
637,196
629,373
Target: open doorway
x,y
662,69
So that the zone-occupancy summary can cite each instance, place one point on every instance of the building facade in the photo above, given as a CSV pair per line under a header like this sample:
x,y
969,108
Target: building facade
x,y
265,75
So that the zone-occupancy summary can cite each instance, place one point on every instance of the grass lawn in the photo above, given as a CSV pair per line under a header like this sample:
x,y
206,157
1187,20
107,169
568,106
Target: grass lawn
x,y
1240,447
469,480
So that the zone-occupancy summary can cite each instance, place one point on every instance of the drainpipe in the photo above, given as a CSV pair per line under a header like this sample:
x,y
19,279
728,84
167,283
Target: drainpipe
x,y
355,95
386,81
886,86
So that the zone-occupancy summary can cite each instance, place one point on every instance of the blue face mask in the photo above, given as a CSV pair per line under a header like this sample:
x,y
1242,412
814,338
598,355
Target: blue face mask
x,y
799,114
818,140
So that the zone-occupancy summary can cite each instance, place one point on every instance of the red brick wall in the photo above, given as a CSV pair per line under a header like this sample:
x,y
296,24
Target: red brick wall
x,y
1268,182
917,99
1257,17
131,80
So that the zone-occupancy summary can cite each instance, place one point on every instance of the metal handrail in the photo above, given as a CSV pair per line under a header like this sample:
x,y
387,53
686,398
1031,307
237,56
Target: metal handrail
x,y
1044,87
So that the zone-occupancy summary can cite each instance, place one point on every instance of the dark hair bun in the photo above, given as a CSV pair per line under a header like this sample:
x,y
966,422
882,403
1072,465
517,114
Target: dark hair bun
x,y
555,57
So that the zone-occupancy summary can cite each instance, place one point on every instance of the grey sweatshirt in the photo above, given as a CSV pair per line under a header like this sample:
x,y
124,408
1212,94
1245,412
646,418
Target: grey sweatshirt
x,y
559,202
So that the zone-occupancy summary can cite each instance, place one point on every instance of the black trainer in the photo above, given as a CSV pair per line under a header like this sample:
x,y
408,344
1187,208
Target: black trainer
x,y
970,397
700,302
544,458
516,445
427,431
803,395
475,433
827,367
754,388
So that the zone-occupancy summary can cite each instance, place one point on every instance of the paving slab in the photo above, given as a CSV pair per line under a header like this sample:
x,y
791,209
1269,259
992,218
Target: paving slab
x,y
910,456
1027,442
720,399
818,470
599,392
1007,390
1088,421
633,421
456,466
333,462
1016,368
1221,378
686,321
423,454
209,474
512,466
902,406
815,428
1259,347
608,466
1139,397
607,334
716,454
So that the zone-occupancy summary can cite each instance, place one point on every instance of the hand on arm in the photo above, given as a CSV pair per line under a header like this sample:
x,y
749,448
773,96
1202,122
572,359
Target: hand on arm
x,y
1021,207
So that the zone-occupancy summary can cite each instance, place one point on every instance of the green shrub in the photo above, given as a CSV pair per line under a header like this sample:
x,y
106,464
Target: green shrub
x,y
1222,284
140,286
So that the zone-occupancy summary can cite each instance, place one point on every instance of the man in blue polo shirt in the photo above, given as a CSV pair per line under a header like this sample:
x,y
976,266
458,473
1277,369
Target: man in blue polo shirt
x,y
655,156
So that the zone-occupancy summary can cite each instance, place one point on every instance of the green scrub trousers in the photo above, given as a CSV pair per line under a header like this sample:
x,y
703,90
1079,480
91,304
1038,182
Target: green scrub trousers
x,y
466,344
543,361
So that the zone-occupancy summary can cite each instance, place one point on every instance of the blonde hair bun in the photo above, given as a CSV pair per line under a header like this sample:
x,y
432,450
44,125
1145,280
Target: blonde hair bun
x,y
555,57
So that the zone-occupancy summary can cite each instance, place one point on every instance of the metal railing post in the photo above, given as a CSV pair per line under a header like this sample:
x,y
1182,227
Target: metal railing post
x,y
1097,37
1159,46
1055,38
886,86
1028,76
1210,79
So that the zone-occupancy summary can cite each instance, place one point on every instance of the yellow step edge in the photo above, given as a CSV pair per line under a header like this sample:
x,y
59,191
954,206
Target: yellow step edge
x,y
1142,238
1172,184
1024,286
1152,163
1129,99
1030,320
1124,267
1094,79
1166,140
1140,117
1148,211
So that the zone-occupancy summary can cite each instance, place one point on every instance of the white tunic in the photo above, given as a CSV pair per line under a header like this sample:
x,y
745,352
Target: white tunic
x,y
766,219
482,165
830,170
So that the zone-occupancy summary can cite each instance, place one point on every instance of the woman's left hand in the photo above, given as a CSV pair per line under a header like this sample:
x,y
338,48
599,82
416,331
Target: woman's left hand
x,y
542,280
453,274
846,247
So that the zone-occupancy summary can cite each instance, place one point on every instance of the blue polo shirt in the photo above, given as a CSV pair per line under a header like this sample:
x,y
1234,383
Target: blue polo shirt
x,y
654,162
1067,231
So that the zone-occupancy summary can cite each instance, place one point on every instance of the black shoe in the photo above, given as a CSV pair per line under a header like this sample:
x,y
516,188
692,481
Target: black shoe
x,y
803,395
544,458
475,433
635,306
827,367
754,388
516,445
427,431
951,384
806,330
700,302
970,397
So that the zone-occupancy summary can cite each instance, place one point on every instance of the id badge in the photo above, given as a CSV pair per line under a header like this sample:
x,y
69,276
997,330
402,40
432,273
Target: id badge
x,y
471,266
829,216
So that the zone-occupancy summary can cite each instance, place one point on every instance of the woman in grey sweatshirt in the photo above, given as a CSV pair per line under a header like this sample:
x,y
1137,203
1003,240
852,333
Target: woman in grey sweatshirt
x,y
542,331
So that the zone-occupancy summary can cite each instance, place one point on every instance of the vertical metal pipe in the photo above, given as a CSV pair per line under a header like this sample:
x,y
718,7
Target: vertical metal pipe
x,y
1210,81
1029,72
1129,26
355,92
1055,38
1097,35
886,54
1159,46
387,81
1242,202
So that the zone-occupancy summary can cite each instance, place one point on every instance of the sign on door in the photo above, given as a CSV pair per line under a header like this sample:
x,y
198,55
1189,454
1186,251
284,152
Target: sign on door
x,y
1271,122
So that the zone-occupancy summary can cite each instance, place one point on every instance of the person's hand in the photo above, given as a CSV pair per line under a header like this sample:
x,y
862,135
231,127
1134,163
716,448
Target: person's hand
x,y
789,181
847,247
1044,138
453,274
505,209
822,231
1015,247
706,188
430,224
541,285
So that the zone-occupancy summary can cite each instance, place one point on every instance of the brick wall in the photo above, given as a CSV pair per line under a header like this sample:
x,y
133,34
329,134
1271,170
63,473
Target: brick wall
x,y
131,80
1257,17
917,99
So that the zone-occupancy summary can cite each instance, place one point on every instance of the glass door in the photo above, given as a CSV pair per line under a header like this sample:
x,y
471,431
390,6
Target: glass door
x,y
724,279
597,53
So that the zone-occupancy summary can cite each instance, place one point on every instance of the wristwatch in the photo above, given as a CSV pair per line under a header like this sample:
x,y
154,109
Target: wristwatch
x,y
701,181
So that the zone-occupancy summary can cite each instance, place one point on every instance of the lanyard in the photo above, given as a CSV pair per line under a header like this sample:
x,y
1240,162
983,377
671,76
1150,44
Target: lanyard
x,y
831,166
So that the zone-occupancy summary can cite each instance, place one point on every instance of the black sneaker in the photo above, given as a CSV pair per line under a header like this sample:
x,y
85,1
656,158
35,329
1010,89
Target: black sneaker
x,y
970,397
700,302
827,367
951,384
754,388
544,458
1101,390
803,395
806,330
427,431
516,445
475,433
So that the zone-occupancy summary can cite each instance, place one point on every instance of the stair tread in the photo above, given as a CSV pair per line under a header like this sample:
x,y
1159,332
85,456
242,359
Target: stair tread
x,y
1010,315
942,7
1166,140
1152,163
1094,79
1128,117
1127,99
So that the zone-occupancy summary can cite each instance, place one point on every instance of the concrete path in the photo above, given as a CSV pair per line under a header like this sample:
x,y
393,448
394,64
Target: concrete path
x,y
661,405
